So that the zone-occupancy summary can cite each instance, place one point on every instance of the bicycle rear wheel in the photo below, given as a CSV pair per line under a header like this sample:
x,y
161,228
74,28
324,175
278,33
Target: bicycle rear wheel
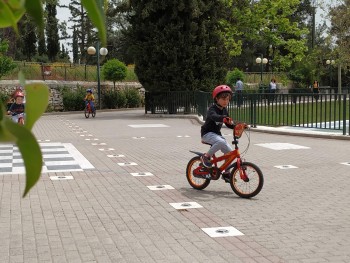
x,y
87,112
93,114
195,182
253,186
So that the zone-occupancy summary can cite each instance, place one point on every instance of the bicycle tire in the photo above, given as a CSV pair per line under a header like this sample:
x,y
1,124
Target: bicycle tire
x,y
86,112
247,189
196,183
93,114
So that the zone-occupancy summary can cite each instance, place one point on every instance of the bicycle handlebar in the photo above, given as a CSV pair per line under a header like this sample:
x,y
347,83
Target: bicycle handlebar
x,y
239,129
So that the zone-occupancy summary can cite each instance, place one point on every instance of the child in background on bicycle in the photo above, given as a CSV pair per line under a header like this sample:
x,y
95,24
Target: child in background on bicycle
x,y
17,107
89,98
210,131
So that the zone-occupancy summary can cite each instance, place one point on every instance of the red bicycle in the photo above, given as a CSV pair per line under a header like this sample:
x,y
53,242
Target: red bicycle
x,y
245,178
89,111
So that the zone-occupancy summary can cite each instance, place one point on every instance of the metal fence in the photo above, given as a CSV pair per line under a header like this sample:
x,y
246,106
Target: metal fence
x,y
321,111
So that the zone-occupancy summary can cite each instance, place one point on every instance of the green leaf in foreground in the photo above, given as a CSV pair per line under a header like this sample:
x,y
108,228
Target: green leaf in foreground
x,y
37,97
10,13
35,10
30,151
95,12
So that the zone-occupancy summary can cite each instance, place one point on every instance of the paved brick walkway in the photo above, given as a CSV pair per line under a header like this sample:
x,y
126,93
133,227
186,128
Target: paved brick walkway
x,y
107,215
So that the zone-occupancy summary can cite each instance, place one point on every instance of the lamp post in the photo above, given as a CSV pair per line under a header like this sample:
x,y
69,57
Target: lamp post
x,y
103,52
330,63
261,61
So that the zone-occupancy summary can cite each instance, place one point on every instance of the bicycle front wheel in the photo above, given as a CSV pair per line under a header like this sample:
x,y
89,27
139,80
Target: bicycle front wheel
x,y
93,114
87,112
195,182
250,188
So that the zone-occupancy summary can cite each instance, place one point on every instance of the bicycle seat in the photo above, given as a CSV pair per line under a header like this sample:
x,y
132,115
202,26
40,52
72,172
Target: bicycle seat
x,y
206,143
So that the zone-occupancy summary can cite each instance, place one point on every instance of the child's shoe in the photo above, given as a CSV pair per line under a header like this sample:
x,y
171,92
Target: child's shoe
x,y
206,161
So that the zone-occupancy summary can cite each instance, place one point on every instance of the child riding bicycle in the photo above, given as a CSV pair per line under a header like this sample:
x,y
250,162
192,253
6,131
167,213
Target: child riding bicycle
x,y
210,131
89,98
17,108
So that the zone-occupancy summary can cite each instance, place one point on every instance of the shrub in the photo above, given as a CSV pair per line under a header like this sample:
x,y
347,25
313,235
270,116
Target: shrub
x,y
133,98
73,100
109,99
5,99
121,99
232,77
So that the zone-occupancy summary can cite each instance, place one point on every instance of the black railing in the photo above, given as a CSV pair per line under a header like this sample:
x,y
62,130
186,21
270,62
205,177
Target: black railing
x,y
321,111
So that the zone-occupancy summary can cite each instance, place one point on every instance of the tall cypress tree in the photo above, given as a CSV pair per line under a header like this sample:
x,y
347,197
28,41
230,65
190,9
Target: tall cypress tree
x,y
75,46
85,34
41,44
177,44
53,45
28,33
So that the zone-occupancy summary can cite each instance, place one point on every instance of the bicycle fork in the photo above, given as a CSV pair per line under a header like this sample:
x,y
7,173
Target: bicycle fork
x,y
242,170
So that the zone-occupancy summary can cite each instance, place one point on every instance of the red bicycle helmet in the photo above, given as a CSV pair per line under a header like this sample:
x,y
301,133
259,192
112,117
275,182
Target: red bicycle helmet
x,y
221,89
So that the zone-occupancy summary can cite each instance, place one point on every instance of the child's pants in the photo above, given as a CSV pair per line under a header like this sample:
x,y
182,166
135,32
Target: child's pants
x,y
16,117
218,143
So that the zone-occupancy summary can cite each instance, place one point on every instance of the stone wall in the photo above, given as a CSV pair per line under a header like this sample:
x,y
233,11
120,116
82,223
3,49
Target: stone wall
x,y
55,100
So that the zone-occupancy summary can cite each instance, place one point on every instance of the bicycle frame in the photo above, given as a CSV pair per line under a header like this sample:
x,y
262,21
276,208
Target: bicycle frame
x,y
228,158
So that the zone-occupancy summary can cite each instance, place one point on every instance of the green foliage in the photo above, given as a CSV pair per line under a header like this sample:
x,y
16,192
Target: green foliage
x,y
233,76
6,63
133,98
177,44
4,98
274,28
299,77
53,45
73,100
12,11
114,99
121,99
109,99
114,70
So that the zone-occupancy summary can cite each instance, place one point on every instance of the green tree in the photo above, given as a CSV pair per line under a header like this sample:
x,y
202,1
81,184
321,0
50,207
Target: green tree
x,y
6,63
84,32
29,38
41,44
114,70
271,28
53,45
177,44
340,25
75,46
116,20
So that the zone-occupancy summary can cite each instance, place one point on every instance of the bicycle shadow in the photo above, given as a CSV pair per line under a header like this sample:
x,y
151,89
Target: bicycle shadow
x,y
208,195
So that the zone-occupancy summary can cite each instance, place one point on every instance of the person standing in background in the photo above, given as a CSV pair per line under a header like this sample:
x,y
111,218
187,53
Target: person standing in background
x,y
239,90
316,89
272,90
